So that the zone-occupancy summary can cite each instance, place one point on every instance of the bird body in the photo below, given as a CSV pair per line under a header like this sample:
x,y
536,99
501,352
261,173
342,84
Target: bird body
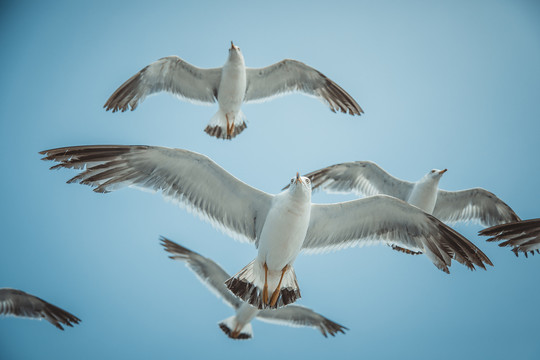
x,y
285,228
230,96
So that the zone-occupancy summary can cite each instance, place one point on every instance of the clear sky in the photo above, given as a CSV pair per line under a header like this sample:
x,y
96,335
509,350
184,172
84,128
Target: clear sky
x,y
444,84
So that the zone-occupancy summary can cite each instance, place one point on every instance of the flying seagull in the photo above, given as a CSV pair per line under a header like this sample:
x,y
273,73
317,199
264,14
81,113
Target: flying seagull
x,y
278,225
524,235
18,303
231,85
239,325
367,178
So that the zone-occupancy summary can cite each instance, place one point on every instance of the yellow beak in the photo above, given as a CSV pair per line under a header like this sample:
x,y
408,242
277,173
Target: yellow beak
x,y
443,171
298,178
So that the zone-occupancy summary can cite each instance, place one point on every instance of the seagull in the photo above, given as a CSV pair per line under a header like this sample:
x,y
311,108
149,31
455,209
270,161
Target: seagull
x,y
239,325
367,178
18,303
231,85
278,225
524,235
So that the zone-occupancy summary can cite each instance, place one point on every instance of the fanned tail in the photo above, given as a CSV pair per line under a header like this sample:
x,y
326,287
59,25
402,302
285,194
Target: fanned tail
x,y
231,327
226,126
248,284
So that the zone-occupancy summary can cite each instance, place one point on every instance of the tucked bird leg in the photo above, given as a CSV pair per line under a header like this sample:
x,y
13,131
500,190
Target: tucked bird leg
x,y
265,288
275,295
230,127
236,332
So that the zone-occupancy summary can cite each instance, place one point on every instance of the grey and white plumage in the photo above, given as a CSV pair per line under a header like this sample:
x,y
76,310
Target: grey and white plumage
x,y
366,178
523,236
18,303
278,225
231,86
239,326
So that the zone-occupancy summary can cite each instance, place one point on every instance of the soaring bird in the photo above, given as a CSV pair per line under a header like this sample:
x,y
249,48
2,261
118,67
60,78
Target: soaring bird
x,y
231,85
18,303
278,225
367,178
523,236
239,325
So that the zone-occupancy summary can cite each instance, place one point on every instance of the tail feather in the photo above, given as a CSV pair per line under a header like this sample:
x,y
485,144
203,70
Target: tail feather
x,y
230,327
225,126
248,287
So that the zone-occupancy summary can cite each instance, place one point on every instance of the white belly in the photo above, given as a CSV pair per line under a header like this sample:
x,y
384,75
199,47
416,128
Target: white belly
x,y
283,233
232,89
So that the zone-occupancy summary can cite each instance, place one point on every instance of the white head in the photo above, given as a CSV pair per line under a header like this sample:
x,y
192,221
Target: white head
x,y
235,53
300,185
434,175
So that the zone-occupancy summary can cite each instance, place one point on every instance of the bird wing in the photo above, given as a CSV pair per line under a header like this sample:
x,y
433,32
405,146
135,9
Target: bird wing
x,y
472,205
18,303
290,75
295,315
170,74
524,235
384,219
364,178
208,272
189,178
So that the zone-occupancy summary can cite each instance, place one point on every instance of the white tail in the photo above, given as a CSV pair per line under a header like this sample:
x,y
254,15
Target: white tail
x,y
247,285
231,327
226,126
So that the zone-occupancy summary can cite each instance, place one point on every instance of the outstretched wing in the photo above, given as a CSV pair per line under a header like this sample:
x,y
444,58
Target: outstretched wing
x,y
208,272
190,178
170,74
384,219
290,75
364,178
18,303
473,205
523,236
295,315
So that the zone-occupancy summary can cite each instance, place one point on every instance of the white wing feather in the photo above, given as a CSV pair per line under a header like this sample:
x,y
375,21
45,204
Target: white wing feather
x,y
192,179
384,219
170,74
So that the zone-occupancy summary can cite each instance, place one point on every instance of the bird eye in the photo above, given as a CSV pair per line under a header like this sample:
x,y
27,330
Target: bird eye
x,y
308,181
292,180
432,171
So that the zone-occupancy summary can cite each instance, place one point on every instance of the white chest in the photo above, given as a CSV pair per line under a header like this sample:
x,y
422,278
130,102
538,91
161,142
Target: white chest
x,y
284,232
232,87
424,196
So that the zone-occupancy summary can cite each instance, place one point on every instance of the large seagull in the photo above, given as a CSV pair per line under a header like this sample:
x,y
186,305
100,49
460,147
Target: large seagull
x,y
367,178
231,85
18,303
239,325
278,225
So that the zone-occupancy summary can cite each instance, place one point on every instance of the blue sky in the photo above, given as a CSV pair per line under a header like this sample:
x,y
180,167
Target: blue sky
x,y
444,84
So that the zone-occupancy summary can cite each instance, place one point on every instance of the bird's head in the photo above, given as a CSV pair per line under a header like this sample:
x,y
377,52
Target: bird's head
x,y
235,54
300,184
234,47
435,175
